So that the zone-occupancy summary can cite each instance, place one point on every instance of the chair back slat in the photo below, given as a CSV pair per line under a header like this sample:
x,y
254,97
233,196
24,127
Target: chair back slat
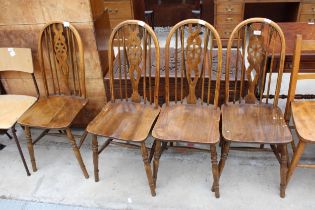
x,y
189,59
259,48
130,62
300,46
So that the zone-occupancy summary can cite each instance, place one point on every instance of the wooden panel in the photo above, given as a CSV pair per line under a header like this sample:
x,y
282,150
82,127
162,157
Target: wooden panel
x,y
307,8
16,59
225,31
307,18
118,9
229,8
228,19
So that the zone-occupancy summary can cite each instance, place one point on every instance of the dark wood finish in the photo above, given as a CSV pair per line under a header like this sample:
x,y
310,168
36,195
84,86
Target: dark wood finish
x,y
191,117
130,116
250,116
61,52
302,112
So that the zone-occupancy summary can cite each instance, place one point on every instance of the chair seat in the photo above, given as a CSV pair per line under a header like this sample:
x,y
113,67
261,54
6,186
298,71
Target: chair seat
x,y
254,123
124,120
188,123
53,112
303,114
12,107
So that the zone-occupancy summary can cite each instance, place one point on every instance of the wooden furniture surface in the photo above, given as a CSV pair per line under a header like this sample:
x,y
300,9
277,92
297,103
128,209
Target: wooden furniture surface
x,y
130,116
16,59
119,11
61,60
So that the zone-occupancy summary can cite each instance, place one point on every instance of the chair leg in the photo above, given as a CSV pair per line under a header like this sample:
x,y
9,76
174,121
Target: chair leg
x,y
152,151
147,168
283,170
30,147
215,171
157,155
95,157
296,158
293,146
275,152
20,150
77,152
8,135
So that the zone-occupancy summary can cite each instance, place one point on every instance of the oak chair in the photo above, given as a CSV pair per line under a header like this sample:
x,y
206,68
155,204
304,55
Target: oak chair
x,y
13,106
253,116
62,70
193,115
302,112
129,116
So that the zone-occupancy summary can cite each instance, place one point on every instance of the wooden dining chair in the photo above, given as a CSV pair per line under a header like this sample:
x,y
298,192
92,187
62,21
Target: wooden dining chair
x,y
250,113
302,112
193,114
62,70
133,106
13,106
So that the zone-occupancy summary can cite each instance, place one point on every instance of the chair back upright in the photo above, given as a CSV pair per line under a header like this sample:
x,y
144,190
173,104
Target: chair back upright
x,y
193,63
256,49
61,60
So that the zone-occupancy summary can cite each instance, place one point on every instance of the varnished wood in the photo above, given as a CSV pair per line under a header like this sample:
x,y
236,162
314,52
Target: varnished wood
x,y
192,117
16,59
215,170
147,167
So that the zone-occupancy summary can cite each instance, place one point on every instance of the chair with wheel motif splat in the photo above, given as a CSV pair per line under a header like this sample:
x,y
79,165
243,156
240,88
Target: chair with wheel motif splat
x,y
193,115
251,116
129,116
62,66
13,106
302,112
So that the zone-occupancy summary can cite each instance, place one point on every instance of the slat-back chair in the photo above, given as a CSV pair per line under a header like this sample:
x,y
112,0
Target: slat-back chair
x,y
302,112
193,114
13,106
133,106
61,60
253,116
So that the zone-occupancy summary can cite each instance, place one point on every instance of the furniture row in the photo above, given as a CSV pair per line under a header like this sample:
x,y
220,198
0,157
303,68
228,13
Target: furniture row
x,y
193,115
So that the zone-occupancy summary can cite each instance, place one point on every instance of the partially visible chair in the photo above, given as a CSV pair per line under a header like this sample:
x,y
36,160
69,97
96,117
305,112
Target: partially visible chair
x,y
133,107
193,115
13,106
302,112
62,66
253,116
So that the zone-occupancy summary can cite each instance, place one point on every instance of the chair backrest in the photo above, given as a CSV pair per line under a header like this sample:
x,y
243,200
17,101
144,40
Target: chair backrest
x,y
17,59
256,48
300,46
61,59
193,61
133,64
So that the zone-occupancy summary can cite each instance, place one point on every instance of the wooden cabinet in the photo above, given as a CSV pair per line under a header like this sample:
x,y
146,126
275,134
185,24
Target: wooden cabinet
x,y
307,12
118,10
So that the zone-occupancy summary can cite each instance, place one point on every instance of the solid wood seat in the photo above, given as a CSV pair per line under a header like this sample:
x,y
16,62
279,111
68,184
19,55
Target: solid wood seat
x,y
188,123
303,114
53,112
124,121
12,107
254,123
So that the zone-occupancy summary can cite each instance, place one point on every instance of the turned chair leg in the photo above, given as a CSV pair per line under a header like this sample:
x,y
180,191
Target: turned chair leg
x,y
157,155
20,150
30,147
293,146
95,157
215,171
77,152
296,158
152,151
147,167
283,170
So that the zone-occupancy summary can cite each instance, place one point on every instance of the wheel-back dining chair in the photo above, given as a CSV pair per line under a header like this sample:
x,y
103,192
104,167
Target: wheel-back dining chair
x,y
193,60
134,86
302,112
13,106
250,113
62,66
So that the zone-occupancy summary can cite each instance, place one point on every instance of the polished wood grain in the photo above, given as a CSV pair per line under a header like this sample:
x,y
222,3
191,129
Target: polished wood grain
x,y
130,116
250,116
61,52
192,117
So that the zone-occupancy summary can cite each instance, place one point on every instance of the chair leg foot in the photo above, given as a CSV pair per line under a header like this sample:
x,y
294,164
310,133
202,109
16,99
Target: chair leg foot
x,y
77,152
156,161
95,157
147,167
20,150
283,170
30,147
295,160
215,171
